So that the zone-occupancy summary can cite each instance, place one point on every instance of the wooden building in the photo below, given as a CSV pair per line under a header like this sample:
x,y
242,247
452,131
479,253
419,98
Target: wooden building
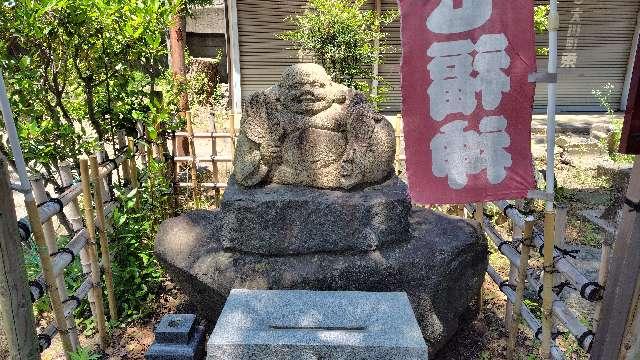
x,y
596,38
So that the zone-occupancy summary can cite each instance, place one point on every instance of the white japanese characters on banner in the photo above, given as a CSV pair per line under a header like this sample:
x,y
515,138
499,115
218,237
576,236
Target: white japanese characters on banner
x,y
466,98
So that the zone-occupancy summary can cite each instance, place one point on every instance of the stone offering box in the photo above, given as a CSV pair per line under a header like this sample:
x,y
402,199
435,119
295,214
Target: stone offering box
x,y
178,337
306,325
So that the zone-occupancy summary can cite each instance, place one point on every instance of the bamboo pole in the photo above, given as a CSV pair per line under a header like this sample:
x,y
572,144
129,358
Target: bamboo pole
x,y
45,261
50,236
194,159
527,232
141,134
104,239
603,274
547,294
15,304
75,218
134,172
126,173
93,255
174,174
214,167
479,217
513,272
530,319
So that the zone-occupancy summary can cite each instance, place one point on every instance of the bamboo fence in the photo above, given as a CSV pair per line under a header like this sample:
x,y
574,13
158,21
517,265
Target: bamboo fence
x,y
98,208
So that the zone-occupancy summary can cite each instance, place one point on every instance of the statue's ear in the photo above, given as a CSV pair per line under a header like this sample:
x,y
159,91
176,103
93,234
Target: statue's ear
x,y
341,94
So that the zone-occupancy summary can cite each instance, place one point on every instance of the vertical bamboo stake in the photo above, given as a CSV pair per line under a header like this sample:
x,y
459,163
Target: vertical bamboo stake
x,y
214,166
603,274
194,159
50,236
513,271
93,255
479,217
547,292
520,285
174,168
134,172
15,302
104,239
126,173
141,134
47,269
75,218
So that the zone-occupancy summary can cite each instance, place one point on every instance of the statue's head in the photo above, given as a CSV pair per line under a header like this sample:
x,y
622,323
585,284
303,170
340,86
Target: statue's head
x,y
307,89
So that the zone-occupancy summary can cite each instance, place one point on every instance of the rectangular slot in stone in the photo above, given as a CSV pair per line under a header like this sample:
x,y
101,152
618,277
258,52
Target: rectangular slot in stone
x,y
293,324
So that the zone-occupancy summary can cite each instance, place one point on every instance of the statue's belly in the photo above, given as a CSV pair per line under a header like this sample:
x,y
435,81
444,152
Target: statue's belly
x,y
312,157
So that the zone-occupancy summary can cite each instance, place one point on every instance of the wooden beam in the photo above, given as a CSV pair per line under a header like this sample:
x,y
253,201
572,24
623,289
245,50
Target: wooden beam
x,y
624,100
233,42
15,302
623,291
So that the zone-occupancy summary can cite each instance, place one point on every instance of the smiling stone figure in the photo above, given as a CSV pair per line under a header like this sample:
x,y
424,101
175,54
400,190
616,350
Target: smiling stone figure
x,y
308,130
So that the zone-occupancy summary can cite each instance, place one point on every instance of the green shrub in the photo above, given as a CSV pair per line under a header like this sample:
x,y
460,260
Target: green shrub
x,y
340,35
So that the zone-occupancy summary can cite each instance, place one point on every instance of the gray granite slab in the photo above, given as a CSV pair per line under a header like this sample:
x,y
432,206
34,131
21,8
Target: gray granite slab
x,y
298,324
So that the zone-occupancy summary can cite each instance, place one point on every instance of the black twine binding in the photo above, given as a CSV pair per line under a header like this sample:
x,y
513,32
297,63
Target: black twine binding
x,y
26,230
538,333
63,189
56,201
558,289
39,288
46,339
505,243
510,206
594,296
506,284
65,250
73,298
555,335
582,338
635,206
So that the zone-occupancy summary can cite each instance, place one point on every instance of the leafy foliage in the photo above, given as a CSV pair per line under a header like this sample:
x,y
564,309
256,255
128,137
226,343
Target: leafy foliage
x,y
541,24
340,35
77,70
604,96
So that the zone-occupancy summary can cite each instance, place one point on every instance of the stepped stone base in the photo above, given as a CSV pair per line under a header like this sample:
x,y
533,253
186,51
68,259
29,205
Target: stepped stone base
x,y
440,266
284,219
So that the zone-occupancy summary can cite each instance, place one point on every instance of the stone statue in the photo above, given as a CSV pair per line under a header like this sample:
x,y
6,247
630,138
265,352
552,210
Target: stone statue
x,y
308,130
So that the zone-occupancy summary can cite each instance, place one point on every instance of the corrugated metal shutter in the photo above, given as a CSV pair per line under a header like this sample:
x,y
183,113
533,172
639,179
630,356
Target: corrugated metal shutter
x,y
607,29
263,57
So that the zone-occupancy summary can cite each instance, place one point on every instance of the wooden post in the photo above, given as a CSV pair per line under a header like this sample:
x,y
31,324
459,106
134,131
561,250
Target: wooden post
x,y
620,308
134,172
527,235
104,239
233,47
214,166
562,216
547,292
50,236
376,47
15,301
194,159
75,218
93,254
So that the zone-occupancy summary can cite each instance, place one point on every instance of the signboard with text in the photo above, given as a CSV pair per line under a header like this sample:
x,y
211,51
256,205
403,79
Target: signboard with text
x,y
467,99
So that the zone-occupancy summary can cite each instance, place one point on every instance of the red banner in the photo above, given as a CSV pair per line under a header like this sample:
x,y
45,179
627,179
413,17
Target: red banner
x,y
467,99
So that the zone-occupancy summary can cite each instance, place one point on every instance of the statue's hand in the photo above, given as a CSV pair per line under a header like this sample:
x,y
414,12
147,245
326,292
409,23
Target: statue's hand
x,y
271,153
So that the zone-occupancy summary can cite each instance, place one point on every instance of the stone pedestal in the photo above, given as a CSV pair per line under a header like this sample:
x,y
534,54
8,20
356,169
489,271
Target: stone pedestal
x,y
283,219
440,266
309,325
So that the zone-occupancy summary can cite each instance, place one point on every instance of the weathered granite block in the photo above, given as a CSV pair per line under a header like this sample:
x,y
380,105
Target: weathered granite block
x,y
288,325
441,267
284,219
177,337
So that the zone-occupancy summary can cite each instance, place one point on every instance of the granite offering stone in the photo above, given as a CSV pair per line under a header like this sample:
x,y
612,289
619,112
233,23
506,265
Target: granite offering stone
x,y
285,219
279,325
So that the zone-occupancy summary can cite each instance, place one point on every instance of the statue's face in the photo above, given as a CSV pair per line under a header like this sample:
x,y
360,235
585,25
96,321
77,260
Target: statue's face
x,y
307,96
